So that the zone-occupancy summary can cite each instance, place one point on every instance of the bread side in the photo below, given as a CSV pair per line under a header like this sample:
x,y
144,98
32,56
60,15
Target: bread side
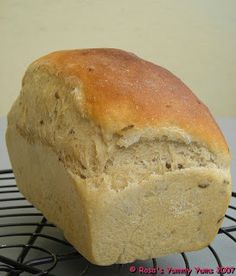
x,y
45,182
160,215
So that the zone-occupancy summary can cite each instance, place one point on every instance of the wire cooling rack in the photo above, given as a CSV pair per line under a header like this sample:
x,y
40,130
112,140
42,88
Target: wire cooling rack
x,y
33,254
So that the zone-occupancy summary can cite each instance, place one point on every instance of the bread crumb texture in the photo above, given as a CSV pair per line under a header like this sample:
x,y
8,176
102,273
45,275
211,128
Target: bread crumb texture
x,y
119,154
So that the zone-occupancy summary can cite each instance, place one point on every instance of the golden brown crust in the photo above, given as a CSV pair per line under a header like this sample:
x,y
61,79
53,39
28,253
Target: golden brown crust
x,y
121,89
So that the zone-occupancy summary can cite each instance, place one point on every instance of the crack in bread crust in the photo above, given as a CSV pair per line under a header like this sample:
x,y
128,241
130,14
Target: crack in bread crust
x,y
118,166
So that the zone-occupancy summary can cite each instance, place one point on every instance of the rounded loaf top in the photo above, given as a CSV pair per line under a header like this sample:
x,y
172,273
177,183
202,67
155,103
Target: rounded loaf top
x,y
121,90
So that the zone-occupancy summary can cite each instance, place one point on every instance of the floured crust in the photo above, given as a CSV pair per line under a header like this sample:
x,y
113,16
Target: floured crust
x,y
121,89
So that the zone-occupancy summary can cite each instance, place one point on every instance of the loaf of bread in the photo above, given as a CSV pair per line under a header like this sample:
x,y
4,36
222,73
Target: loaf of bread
x,y
119,154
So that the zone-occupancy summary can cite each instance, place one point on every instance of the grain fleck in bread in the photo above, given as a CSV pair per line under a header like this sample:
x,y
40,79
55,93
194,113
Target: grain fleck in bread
x,y
119,154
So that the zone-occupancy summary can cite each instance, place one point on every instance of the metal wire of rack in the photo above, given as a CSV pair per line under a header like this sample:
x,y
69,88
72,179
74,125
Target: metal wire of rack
x,y
44,265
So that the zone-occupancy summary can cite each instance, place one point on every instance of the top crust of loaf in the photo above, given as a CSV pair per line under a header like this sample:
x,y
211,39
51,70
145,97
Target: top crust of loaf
x,y
118,90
